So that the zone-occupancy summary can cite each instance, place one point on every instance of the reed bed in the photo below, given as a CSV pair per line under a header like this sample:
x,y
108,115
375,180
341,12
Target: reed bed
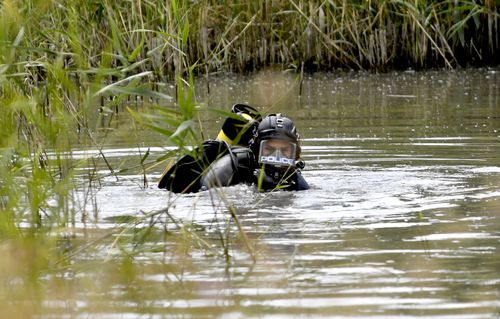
x,y
167,37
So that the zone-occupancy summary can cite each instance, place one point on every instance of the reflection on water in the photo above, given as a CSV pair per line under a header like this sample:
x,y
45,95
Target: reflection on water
x,y
401,220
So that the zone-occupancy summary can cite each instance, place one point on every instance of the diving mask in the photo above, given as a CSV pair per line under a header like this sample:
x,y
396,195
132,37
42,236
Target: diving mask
x,y
277,152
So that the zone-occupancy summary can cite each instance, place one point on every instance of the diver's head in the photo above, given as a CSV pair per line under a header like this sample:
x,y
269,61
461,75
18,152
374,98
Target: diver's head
x,y
277,143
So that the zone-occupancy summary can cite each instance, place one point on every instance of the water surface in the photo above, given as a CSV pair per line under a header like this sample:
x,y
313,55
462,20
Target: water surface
x,y
402,218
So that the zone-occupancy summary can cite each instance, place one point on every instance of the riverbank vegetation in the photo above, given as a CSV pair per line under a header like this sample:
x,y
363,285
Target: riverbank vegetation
x,y
170,36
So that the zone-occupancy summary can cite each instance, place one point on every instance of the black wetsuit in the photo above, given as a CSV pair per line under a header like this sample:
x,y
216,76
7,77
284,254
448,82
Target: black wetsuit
x,y
217,164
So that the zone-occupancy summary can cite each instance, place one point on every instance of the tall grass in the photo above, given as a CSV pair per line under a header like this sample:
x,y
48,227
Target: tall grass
x,y
61,69
167,37
60,73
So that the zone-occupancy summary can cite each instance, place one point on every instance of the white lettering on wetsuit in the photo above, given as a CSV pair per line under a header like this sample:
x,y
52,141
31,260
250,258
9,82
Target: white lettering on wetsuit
x,y
274,160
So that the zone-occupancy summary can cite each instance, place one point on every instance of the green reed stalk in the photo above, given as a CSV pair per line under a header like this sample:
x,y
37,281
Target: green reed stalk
x,y
61,67
168,37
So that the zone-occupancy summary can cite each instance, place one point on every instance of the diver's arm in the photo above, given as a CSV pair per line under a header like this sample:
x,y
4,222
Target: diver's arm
x,y
184,175
233,168
301,182
221,173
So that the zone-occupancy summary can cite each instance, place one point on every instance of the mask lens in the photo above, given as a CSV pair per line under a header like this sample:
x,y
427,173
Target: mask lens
x,y
277,152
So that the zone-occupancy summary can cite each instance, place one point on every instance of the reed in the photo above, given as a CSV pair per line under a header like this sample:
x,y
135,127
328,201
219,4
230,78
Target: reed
x,y
167,38
59,75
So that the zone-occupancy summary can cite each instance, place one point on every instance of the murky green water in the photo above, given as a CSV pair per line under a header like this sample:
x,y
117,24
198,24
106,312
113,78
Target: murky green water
x,y
402,220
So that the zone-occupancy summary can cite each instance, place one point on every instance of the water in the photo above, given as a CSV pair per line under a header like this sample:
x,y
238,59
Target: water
x,y
402,218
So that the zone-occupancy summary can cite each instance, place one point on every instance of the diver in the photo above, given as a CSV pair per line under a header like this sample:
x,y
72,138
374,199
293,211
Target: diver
x,y
248,149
